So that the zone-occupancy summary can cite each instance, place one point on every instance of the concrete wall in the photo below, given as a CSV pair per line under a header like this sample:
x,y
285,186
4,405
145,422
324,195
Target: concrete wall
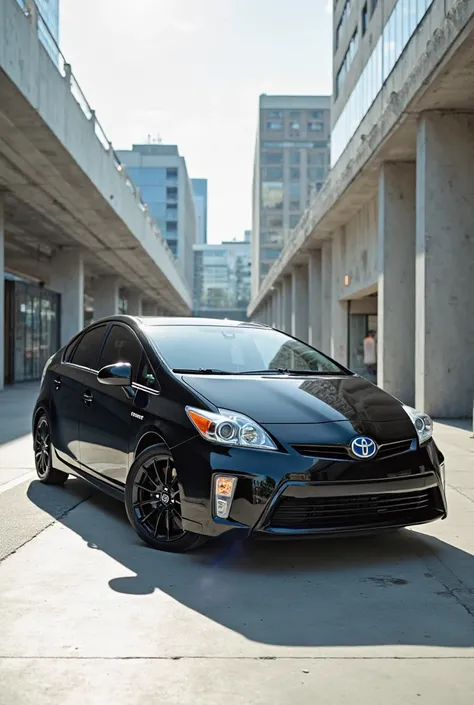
x,y
29,67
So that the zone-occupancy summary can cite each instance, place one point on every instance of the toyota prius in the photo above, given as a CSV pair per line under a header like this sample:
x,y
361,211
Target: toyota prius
x,y
206,427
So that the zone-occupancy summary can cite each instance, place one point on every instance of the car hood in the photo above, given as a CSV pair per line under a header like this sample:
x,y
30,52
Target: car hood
x,y
299,400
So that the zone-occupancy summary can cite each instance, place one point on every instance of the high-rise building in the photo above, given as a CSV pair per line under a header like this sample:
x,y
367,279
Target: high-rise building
x,y
48,26
160,173
222,280
200,201
292,159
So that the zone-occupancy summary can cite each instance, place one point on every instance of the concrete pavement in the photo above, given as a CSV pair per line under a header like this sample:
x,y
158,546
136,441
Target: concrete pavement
x,y
89,613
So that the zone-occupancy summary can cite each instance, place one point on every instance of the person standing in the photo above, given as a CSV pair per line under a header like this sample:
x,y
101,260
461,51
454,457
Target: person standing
x,y
370,354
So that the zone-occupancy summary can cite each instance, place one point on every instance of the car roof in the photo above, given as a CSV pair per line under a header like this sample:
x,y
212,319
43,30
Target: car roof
x,y
152,321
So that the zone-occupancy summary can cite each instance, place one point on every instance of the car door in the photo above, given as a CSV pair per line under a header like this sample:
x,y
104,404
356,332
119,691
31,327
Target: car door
x,y
69,376
105,419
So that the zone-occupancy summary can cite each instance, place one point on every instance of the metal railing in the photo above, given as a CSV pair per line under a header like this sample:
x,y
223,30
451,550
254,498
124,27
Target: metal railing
x,y
33,14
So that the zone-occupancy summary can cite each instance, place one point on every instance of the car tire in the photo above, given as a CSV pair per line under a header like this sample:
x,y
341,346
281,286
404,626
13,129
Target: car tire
x,y
43,454
152,502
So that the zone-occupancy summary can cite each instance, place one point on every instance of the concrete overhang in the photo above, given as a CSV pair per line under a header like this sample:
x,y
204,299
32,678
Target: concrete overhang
x,y
64,187
435,72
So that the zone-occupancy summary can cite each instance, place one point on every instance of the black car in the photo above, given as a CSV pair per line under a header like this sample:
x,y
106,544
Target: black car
x,y
206,427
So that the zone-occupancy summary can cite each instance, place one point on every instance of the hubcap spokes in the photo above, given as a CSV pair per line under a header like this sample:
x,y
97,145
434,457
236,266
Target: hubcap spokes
x,y
156,500
42,447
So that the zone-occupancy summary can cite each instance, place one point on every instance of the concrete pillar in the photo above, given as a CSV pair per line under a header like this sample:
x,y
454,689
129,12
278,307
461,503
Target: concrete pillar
x,y
286,292
444,348
2,292
339,314
299,302
134,303
105,293
315,299
396,284
326,286
277,307
149,308
67,279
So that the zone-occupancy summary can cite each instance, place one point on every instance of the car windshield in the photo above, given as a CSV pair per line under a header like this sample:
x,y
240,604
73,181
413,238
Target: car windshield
x,y
213,349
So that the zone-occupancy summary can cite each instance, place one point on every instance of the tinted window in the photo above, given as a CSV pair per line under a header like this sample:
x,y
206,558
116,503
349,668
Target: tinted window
x,y
146,375
236,349
87,352
121,346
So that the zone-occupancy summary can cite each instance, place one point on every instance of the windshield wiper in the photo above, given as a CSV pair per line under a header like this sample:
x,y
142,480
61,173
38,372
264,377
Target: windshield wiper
x,y
286,371
201,371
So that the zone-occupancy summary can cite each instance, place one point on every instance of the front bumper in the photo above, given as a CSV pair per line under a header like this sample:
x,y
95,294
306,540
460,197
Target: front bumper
x,y
290,494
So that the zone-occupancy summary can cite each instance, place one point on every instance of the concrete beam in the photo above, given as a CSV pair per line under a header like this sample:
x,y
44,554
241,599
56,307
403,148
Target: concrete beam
x,y
444,359
396,286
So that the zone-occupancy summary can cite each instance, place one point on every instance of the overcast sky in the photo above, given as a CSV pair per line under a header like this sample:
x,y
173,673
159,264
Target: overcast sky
x,y
191,71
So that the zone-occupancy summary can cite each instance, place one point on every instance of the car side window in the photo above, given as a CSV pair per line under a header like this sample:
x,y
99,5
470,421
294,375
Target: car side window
x,y
122,346
87,351
146,375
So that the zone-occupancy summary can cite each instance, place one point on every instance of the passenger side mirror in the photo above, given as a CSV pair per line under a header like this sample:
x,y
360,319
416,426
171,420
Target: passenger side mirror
x,y
117,375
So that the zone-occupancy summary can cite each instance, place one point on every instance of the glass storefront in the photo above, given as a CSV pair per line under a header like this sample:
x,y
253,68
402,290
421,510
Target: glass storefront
x,y
31,328
359,326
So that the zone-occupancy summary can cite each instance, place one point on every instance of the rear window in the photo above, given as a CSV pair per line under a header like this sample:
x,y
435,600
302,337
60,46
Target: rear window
x,y
87,352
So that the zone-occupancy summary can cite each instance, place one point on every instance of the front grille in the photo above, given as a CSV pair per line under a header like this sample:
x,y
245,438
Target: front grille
x,y
340,452
355,511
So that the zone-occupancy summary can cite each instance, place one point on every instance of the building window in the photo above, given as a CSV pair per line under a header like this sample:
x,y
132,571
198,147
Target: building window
x,y
295,114
295,173
317,114
272,158
317,158
399,28
171,193
276,125
272,195
315,126
316,173
171,227
275,114
171,175
273,173
294,157
171,212
294,220
364,19
342,22
173,245
347,61
294,127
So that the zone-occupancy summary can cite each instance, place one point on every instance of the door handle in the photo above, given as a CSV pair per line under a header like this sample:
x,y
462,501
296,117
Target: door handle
x,y
57,383
87,398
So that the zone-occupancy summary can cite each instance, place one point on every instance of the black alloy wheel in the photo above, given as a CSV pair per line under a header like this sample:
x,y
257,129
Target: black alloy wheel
x,y
153,503
43,455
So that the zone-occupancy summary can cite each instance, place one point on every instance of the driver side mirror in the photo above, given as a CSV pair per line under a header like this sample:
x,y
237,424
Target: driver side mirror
x,y
117,375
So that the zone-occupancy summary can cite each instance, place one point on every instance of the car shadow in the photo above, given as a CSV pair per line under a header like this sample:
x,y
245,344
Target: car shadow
x,y
397,589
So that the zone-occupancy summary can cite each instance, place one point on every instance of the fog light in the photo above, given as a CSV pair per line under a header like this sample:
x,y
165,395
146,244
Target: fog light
x,y
225,487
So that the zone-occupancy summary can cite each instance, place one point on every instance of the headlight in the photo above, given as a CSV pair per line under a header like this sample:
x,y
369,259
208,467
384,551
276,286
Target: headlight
x,y
422,423
230,428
